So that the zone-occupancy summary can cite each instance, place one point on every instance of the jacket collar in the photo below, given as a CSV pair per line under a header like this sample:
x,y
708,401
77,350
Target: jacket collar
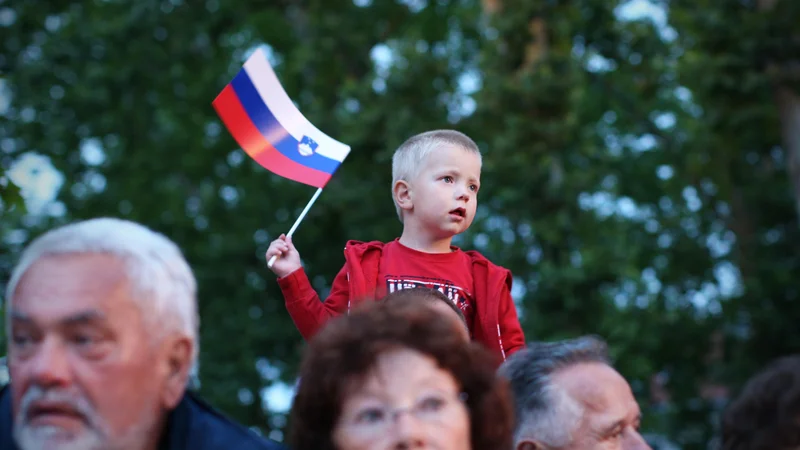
x,y
192,425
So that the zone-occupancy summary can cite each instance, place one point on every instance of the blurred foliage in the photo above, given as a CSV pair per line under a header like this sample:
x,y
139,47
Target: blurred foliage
x,y
12,207
10,196
634,179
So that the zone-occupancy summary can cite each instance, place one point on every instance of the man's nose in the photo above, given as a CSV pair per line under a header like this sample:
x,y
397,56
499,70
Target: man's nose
x,y
635,441
49,365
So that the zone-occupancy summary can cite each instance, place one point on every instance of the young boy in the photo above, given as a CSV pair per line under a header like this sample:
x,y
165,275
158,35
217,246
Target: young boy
x,y
435,182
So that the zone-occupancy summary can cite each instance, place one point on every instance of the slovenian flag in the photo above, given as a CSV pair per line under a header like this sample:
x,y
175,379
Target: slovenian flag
x,y
263,120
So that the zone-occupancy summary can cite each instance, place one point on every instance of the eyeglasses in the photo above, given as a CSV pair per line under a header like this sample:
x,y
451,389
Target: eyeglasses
x,y
434,407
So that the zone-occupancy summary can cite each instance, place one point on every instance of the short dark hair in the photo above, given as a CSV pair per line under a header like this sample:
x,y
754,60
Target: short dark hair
x,y
767,413
423,293
347,349
530,372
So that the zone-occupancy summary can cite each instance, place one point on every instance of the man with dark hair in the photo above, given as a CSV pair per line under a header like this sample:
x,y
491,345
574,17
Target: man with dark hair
x,y
766,416
567,396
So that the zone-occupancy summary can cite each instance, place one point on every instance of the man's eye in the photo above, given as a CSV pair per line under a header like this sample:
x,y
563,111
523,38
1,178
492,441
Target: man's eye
x,y
83,340
21,340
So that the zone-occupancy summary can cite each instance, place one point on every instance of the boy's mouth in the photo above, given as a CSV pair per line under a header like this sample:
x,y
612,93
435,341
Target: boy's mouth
x,y
460,212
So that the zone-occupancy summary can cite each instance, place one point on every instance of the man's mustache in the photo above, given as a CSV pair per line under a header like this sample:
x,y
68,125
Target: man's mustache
x,y
37,401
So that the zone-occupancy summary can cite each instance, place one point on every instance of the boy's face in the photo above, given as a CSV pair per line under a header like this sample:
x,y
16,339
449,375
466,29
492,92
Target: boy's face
x,y
444,194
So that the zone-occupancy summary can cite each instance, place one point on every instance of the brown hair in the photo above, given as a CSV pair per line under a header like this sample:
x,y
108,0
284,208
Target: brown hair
x,y
347,348
765,415
424,294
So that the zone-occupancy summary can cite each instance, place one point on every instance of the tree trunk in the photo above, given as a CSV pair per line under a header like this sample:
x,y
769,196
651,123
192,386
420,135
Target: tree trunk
x,y
788,103
789,108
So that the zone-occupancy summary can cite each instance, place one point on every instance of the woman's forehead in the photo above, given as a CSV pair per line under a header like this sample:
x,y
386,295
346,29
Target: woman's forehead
x,y
402,369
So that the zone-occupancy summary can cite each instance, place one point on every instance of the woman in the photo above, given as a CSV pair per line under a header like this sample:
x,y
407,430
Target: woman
x,y
388,377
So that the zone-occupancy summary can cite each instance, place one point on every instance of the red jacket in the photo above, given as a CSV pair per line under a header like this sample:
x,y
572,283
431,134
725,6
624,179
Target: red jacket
x,y
496,323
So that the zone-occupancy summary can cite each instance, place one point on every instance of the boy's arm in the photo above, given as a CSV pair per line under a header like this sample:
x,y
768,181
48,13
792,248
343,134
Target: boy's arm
x,y
307,311
510,329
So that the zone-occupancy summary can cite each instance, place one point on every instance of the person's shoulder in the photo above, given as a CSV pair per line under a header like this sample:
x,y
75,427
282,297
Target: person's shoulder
x,y
477,257
491,271
365,245
5,418
359,250
221,432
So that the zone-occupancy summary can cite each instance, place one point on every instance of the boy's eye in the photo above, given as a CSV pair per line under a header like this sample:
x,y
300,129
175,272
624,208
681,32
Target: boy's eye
x,y
448,179
474,188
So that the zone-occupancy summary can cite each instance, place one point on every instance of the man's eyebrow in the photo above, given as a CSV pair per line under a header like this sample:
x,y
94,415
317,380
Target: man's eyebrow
x,y
83,317
609,430
79,318
20,317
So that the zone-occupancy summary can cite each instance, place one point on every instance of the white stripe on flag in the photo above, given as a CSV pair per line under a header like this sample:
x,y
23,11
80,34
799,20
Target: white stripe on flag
x,y
277,100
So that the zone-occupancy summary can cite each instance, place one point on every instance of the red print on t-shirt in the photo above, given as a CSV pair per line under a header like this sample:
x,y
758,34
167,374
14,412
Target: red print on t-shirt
x,y
449,273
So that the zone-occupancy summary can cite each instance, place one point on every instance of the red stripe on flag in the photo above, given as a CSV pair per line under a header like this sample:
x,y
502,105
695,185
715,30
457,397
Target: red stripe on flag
x,y
238,123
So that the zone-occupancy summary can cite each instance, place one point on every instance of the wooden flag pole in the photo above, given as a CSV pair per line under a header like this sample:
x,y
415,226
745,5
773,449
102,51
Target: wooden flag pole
x,y
297,223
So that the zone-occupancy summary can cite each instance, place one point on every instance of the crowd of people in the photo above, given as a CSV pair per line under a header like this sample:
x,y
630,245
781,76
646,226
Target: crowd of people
x,y
418,344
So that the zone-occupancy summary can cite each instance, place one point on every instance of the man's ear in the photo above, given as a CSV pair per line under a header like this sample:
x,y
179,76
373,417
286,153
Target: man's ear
x,y
529,445
177,362
401,191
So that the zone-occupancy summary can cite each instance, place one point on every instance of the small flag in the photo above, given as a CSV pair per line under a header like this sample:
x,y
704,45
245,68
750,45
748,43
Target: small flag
x,y
263,120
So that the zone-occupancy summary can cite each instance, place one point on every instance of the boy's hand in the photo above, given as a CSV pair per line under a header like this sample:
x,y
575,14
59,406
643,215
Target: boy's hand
x,y
288,257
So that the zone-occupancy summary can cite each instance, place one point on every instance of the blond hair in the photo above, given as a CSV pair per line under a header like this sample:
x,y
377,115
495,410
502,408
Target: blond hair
x,y
408,159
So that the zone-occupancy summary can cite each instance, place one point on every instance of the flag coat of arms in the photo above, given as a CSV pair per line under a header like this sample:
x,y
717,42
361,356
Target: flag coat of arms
x,y
263,120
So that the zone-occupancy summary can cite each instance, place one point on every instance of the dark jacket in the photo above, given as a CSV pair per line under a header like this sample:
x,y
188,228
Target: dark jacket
x,y
192,425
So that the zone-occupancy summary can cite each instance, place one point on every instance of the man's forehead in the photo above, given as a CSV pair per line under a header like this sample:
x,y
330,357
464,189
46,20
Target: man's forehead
x,y
600,389
75,281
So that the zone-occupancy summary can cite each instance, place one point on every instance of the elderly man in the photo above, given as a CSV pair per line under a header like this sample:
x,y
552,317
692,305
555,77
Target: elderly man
x,y
102,329
567,396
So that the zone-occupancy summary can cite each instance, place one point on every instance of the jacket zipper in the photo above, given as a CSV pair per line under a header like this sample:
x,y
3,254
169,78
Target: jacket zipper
x,y
500,340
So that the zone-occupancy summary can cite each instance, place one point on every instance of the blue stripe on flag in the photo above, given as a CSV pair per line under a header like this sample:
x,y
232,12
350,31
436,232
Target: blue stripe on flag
x,y
272,130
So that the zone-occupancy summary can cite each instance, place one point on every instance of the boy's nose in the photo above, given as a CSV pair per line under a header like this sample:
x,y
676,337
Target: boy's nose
x,y
463,193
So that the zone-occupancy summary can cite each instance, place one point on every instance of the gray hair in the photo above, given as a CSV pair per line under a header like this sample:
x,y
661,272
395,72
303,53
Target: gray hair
x,y
545,412
409,158
160,276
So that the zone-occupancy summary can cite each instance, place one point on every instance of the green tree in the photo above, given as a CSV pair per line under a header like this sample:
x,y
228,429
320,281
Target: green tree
x,y
119,96
635,171
739,62
579,110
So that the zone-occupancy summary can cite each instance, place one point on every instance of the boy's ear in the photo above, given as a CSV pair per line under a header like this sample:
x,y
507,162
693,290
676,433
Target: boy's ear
x,y
402,195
